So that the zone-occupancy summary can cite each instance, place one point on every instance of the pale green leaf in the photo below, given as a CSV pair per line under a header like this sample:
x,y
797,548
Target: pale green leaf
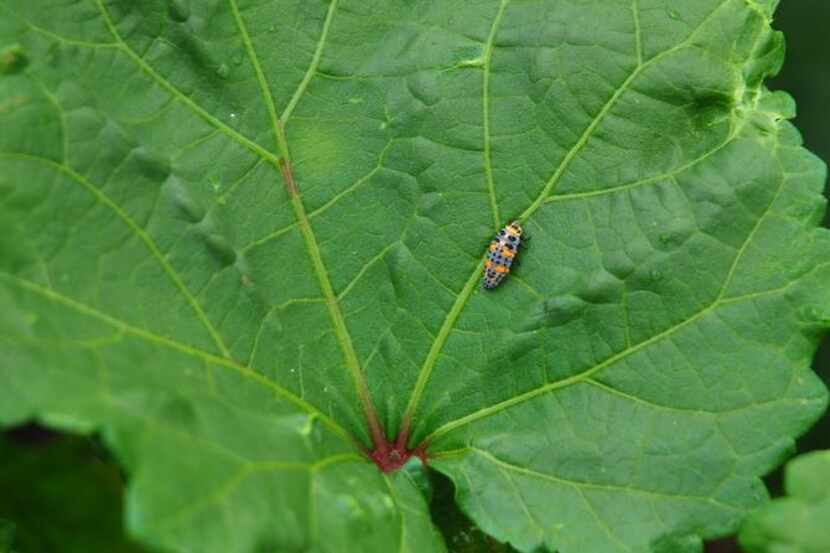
x,y
796,523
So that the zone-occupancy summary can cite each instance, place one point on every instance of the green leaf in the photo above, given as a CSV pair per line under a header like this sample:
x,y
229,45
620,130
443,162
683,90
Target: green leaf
x,y
796,523
242,239
59,497
6,536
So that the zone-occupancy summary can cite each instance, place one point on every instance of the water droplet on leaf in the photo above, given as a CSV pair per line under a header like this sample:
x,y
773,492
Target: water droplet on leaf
x,y
223,71
472,62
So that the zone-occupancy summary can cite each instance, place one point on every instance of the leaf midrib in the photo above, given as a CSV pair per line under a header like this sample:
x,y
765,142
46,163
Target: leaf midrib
x,y
488,163
285,169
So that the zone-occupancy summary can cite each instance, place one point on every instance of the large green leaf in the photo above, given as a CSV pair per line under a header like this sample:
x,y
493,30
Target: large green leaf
x,y
796,523
243,238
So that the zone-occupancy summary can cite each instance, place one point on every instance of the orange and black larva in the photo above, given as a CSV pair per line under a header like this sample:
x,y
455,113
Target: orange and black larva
x,y
501,253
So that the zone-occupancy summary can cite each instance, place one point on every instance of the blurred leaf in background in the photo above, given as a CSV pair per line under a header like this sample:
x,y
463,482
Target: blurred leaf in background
x,y
60,496
796,523
6,536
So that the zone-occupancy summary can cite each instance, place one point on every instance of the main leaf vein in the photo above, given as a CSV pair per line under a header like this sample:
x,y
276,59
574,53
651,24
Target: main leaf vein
x,y
338,321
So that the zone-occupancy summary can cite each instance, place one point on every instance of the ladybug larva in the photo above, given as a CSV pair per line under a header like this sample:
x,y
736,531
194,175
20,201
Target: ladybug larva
x,y
501,253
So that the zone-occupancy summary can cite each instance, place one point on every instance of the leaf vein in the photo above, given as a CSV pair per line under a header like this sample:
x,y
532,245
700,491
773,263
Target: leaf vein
x,y
502,464
488,163
148,241
312,67
245,372
338,321
167,85
265,90
644,181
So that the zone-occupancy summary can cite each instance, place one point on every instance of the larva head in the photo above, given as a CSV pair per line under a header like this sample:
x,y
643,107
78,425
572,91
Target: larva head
x,y
515,228
513,234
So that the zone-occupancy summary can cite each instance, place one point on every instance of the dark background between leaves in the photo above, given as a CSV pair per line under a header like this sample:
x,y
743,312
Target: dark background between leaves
x,y
806,76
